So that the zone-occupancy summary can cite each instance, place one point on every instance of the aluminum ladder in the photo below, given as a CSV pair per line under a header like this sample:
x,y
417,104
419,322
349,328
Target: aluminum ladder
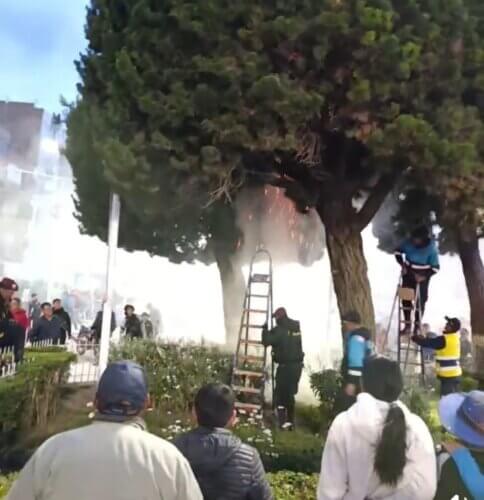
x,y
249,368
410,356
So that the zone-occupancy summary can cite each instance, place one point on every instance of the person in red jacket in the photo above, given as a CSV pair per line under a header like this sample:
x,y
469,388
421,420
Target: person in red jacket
x,y
19,325
19,314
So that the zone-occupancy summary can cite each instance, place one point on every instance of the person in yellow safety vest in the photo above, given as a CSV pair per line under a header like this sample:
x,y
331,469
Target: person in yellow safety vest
x,y
447,355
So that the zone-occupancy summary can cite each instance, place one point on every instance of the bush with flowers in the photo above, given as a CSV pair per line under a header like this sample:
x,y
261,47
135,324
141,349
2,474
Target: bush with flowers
x,y
175,370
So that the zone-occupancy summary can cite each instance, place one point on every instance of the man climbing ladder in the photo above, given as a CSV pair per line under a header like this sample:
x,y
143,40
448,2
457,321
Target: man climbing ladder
x,y
419,259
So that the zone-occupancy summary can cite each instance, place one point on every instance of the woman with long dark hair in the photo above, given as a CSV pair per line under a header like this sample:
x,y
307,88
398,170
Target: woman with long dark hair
x,y
378,449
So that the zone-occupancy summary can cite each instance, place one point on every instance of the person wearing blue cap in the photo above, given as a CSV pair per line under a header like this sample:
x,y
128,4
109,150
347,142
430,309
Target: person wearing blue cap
x,y
114,458
462,475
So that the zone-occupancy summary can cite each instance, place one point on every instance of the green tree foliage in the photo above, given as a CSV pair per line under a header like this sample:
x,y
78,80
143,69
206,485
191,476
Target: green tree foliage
x,y
453,204
331,100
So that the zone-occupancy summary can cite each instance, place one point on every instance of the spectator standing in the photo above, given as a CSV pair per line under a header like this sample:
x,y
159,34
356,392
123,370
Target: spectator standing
x,y
65,319
378,448
156,320
35,310
462,474
8,287
11,333
357,347
287,352
132,324
48,327
19,314
98,325
114,458
225,468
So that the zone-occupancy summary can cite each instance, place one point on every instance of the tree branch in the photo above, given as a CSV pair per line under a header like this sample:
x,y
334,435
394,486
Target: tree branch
x,y
375,199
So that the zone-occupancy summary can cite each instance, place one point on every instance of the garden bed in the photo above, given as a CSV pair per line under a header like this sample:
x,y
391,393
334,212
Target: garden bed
x,y
286,485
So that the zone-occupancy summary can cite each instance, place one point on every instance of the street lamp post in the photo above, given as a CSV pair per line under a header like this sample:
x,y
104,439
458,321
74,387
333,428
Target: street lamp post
x,y
114,214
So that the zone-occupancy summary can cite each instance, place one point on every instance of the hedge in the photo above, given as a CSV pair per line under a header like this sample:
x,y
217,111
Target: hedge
x,y
286,485
175,371
29,398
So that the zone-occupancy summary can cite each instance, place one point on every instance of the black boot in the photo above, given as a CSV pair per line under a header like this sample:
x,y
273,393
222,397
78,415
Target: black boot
x,y
281,416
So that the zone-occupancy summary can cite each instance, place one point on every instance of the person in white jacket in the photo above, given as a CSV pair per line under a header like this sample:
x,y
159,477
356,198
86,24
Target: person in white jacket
x,y
114,458
378,449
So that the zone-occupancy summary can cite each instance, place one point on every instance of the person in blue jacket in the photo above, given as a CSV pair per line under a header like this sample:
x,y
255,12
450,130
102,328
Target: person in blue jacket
x,y
419,258
462,474
357,348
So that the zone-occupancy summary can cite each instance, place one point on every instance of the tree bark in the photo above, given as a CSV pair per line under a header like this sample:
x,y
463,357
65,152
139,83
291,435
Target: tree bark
x,y
350,272
473,268
233,290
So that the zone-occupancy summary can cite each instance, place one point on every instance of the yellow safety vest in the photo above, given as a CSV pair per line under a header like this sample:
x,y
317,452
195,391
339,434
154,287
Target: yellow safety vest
x,y
448,359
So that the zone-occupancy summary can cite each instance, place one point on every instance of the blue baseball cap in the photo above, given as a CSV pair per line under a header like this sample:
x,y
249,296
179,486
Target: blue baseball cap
x,y
463,416
122,390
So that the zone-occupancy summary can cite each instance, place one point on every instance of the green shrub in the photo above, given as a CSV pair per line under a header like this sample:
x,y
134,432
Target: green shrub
x,y
288,485
311,417
6,483
326,386
469,384
298,451
30,397
424,404
175,371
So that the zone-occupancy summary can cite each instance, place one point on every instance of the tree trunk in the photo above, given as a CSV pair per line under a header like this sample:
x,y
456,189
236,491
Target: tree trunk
x,y
468,248
350,272
233,290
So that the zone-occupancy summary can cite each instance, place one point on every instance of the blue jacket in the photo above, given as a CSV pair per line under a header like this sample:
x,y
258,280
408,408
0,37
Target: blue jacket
x,y
425,259
45,329
357,349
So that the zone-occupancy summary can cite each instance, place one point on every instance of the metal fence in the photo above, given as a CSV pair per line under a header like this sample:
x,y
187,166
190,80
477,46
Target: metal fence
x,y
41,344
85,370
8,366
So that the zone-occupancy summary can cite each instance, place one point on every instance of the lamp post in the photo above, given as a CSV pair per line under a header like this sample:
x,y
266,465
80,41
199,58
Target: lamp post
x,y
113,232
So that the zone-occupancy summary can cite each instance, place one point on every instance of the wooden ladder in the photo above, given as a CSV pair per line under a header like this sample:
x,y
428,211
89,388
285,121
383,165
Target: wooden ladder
x,y
249,368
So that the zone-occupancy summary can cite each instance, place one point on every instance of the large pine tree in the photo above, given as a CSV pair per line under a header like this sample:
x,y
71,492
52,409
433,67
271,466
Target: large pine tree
x,y
334,101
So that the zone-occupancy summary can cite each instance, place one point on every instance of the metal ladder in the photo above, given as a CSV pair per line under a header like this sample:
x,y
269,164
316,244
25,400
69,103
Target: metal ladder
x,y
249,368
409,354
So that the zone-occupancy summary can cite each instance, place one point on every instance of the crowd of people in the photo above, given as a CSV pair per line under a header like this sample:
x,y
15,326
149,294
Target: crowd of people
x,y
50,322
39,322
377,449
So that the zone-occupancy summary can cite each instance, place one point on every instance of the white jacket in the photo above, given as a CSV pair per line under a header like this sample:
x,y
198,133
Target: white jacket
x,y
106,461
347,471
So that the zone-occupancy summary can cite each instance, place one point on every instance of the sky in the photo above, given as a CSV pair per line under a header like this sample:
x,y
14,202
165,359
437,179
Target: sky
x,y
39,41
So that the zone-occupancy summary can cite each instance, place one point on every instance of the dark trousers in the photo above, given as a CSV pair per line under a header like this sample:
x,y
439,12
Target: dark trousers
x,y
409,281
343,402
287,383
449,385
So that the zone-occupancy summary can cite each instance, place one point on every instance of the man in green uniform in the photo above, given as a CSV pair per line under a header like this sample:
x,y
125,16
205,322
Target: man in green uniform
x,y
287,352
